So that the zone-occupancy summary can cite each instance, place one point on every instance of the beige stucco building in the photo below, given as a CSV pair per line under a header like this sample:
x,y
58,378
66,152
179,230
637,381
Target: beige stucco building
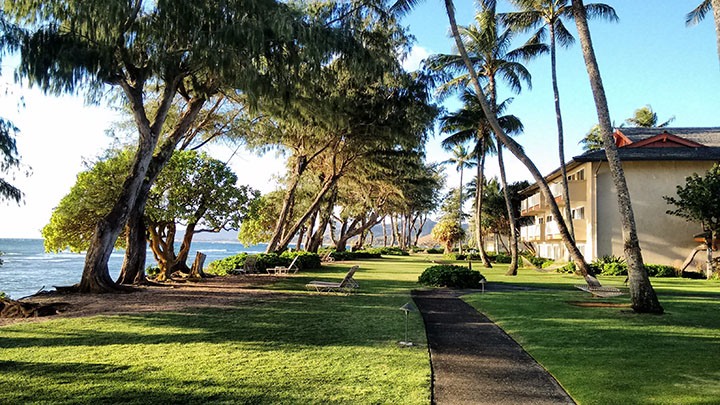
x,y
655,161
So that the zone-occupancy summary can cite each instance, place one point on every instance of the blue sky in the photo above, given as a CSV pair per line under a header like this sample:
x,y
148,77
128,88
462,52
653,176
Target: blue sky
x,y
649,57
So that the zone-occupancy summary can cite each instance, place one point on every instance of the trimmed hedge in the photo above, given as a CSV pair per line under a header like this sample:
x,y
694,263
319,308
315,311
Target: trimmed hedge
x,y
389,251
435,251
451,276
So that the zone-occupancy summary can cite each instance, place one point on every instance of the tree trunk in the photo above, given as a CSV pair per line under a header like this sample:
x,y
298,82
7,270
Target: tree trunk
x,y
196,272
418,232
325,217
133,268
561,141
518,152
642,294
512,239
460,203
288,201
479,189
709,251
329,184
385,235
393,230
716,17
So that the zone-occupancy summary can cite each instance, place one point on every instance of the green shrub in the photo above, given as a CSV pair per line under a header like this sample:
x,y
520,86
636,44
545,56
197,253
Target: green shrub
x,y
614,269
451,276
537,261
388,251
609,265
693,275
3,295
306,260
502,258
232,264
455,256
358,254
435,251
474,256
228,265
568,268
152,271
660,270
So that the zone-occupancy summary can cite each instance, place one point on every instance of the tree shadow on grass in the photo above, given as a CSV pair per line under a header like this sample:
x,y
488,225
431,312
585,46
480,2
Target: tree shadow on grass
x,y
70,382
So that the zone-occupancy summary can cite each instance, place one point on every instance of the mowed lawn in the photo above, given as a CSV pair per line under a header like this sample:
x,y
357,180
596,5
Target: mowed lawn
x,y
303,347
611,355
299,348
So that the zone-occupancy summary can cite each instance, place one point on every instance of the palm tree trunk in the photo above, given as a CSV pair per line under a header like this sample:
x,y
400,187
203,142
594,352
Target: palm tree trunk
x,y
716,16
561,141
479,203
460,202
516,150
512,240
642,294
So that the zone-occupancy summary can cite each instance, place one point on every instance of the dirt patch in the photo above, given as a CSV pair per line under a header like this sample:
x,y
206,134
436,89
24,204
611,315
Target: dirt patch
x,y
598,304
211,292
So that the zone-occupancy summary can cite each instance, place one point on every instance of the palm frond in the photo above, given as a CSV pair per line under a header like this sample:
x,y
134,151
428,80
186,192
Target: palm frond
x,y
601,11
698,13
562,35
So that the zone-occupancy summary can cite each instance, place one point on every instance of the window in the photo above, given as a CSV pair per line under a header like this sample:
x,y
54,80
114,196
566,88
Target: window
x,y
578,213
549,218
578,175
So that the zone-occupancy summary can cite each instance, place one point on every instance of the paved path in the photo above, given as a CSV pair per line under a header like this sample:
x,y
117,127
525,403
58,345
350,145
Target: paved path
x,y
476,362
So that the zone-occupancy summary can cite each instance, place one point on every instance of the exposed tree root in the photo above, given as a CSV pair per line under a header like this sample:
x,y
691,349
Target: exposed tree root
x,y
17,309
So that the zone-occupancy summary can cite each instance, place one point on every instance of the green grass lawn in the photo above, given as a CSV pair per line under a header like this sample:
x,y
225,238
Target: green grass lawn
x,y
303,347
611,355
299,348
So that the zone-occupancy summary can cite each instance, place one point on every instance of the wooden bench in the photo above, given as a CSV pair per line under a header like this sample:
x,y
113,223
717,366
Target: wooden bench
x,y
602,292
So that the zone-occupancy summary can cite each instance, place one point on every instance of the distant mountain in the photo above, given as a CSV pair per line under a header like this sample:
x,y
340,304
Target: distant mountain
x,y
222,236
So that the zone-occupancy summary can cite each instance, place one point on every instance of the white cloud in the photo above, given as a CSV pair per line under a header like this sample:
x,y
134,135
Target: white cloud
x,y
414,58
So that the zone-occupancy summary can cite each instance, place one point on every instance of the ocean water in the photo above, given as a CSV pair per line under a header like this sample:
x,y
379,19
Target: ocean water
x,y
27,268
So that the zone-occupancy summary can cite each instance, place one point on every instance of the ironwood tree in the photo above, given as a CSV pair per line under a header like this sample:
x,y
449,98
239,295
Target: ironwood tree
x,y
188,49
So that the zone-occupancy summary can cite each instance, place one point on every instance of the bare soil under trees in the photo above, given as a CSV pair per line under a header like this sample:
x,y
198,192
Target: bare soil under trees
x,y
210,292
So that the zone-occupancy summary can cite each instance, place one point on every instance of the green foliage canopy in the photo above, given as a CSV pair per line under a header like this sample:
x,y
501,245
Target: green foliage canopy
x,y
699,199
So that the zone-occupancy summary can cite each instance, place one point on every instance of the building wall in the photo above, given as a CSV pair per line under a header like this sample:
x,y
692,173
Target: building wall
x,y
664,238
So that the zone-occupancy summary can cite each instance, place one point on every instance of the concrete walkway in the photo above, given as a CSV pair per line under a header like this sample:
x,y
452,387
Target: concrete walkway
x,y
476,362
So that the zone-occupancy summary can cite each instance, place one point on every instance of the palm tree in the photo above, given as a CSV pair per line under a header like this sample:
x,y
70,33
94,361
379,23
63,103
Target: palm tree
x,y
462,159
488,43
577,256
547,16
645,117
698,14
642,293
470,124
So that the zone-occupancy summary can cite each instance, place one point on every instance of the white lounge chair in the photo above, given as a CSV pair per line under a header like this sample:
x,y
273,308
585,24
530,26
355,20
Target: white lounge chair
x,y
282,270
347,284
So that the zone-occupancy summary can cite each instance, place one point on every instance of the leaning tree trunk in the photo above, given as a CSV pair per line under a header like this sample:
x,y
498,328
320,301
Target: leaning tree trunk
x,y
561,141
329,184
479,189
288,201
96,274
516,150
642,294
512,240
